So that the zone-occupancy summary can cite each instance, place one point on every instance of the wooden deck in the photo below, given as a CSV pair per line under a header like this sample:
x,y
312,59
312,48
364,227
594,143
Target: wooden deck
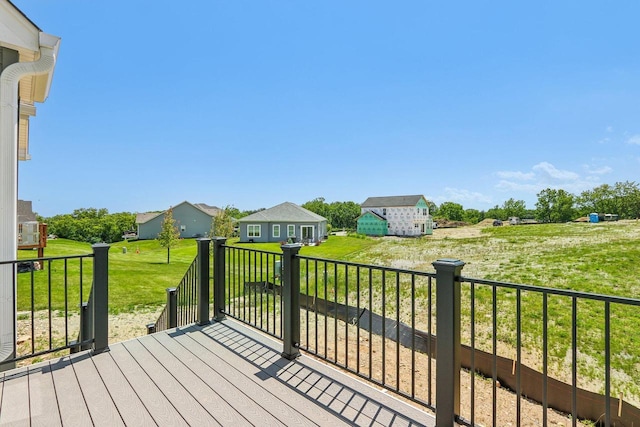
x,y
221,374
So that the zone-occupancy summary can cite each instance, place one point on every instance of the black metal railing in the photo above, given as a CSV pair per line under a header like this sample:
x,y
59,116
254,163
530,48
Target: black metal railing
x,y
569,331
53,314
418,333
371,321
182,307
252,288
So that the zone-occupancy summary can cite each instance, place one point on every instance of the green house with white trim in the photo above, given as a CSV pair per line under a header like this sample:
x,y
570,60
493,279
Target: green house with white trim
x,y
395,216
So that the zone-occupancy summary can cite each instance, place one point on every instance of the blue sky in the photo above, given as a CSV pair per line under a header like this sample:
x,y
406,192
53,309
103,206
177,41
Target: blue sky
x,y
252,103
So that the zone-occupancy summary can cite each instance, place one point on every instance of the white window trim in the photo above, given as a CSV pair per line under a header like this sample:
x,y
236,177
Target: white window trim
x,y
252,226
273,230
291,230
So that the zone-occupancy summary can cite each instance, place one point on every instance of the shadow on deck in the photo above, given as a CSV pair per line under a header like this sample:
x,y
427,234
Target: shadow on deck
x,y
220,374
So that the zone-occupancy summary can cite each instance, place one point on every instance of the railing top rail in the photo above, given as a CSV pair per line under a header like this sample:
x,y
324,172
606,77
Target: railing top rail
x,y
370,266
251,250
47,258
555,291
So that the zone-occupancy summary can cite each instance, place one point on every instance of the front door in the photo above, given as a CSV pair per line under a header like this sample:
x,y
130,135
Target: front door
x,y
307,233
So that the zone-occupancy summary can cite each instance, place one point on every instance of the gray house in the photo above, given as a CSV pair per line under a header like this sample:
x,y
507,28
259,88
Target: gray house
x,y
193,220
281,223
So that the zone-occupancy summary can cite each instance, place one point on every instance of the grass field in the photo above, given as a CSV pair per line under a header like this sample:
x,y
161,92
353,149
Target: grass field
x,y
598,258
139,277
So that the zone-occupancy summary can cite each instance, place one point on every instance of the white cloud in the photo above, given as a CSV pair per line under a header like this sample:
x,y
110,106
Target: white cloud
x,y
546,171
462,196
634,140
546,175
604,141
609,128
599,171
516,175
516,186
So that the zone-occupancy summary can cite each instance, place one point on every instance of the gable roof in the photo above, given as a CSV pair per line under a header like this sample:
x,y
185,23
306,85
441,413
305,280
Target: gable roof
x,y
285,212
25,211
373,214
392,201
212,211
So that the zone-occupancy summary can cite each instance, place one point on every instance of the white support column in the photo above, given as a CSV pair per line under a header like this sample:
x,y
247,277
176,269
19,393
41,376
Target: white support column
x,y
9,179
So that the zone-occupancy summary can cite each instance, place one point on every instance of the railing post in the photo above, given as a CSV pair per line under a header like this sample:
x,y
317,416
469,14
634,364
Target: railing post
x,y
203,281
85,325
172,308
100,297
448,340
151,328
291,301
219,273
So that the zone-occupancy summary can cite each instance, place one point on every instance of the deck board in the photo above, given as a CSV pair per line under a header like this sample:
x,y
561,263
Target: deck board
x,y
15,392
99,402
240,374
220,374
154,400
71,404
233,408
124,396
43,409
189,408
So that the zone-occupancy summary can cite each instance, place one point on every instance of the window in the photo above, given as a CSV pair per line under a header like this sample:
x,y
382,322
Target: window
x,y
276,230
291,230
253,230
424,211
384,211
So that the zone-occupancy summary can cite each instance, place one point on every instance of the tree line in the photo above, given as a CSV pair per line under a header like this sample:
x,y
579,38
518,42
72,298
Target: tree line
x,y
553,205
91,225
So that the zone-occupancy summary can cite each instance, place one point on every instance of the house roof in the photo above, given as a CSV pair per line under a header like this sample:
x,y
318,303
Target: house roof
x,y
25,211
212,211
375,215
392,201
285,212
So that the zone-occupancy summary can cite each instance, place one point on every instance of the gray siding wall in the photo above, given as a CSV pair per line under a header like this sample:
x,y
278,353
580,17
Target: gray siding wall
x,y
191,222
266,231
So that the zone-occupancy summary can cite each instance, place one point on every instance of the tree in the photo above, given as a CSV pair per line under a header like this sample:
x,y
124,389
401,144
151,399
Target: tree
x,y
451,211
496,212
344,214
320,207
222,223
555,205
513,207
473,216
91,225
169,233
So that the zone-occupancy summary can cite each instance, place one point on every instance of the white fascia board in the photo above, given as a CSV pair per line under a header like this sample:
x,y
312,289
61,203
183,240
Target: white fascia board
x,y
16,31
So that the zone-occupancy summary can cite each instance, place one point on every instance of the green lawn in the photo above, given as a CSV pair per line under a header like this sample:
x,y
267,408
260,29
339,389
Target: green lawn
x,y
139,277
594,258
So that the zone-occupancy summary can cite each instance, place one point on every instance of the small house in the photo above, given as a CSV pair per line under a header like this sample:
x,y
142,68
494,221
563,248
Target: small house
x,y
192,220
284,222
395,216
